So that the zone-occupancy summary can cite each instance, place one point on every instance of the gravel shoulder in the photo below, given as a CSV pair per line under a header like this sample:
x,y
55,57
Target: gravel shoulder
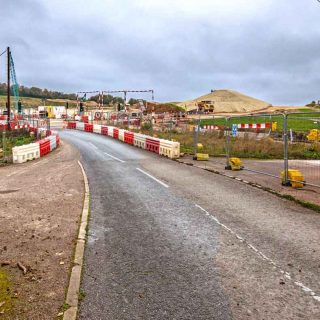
x,y
41,203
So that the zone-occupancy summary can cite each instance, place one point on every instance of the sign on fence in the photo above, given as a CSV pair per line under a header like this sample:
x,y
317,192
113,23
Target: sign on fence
x,y
234,130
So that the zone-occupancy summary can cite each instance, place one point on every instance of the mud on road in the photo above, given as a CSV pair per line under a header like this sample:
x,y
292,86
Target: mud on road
x,y
40,207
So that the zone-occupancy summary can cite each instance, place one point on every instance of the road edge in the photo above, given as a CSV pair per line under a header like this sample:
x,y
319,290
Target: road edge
x,y
72,297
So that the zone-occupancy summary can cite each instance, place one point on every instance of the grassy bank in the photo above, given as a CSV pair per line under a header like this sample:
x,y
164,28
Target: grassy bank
x,y
14,138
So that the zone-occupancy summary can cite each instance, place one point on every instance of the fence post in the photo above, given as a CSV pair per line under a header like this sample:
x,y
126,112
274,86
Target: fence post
x,y
285,153
196,138
3,146
227,145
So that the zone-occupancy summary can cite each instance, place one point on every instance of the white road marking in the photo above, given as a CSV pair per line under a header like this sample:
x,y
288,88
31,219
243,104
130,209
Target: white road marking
x,y
93,146
113,157
264,257
152,177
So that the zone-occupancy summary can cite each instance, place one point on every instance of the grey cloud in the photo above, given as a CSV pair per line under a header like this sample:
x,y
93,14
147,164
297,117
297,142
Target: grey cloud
x,y
273,55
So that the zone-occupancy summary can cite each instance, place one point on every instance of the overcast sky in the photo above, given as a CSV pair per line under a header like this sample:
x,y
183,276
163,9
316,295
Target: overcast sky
x,y
269,49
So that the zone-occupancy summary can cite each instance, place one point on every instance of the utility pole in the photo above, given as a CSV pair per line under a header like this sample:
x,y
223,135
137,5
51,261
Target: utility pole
x,y
8,87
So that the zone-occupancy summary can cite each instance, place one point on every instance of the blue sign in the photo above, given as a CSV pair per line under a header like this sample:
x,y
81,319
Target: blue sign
x,y
234,130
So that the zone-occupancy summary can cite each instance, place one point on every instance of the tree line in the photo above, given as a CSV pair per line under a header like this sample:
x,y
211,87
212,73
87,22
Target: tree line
x,y
35,92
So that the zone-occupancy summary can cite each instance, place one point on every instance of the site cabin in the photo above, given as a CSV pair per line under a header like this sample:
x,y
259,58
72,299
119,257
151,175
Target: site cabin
x,y
52,112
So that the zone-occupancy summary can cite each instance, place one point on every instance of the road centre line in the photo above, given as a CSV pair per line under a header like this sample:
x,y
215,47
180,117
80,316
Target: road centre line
x,y
154,178
264,257
113,157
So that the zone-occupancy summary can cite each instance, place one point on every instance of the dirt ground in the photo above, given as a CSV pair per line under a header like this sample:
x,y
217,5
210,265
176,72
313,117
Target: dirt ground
x,y
40,206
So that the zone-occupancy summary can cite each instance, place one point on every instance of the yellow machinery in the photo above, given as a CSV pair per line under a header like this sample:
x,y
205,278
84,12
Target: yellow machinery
x,y
206,106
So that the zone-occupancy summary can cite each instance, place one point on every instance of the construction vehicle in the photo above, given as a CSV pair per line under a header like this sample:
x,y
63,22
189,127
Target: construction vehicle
x,y
205,106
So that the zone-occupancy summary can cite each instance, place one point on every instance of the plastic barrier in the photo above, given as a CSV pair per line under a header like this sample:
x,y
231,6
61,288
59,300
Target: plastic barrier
x,y
71,125
121,135
27,152
110,131
115,133
53,142
97,128
88,127
80,126
104,130
44,146
153,145
169,149
129,137
140,140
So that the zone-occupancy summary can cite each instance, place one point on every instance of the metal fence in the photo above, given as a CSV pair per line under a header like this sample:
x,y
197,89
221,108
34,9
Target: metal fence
x,y
256,137
272,145
302,146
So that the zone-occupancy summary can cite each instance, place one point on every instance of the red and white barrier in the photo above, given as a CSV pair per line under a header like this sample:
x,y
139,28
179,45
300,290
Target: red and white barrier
x,y
210,127
35,150
170,149
254,125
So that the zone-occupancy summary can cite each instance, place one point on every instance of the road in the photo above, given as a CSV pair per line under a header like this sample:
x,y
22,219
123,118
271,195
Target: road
x,y
169,241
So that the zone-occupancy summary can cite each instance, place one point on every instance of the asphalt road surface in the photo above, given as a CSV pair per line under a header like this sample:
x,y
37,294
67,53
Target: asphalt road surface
x,y
169,241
